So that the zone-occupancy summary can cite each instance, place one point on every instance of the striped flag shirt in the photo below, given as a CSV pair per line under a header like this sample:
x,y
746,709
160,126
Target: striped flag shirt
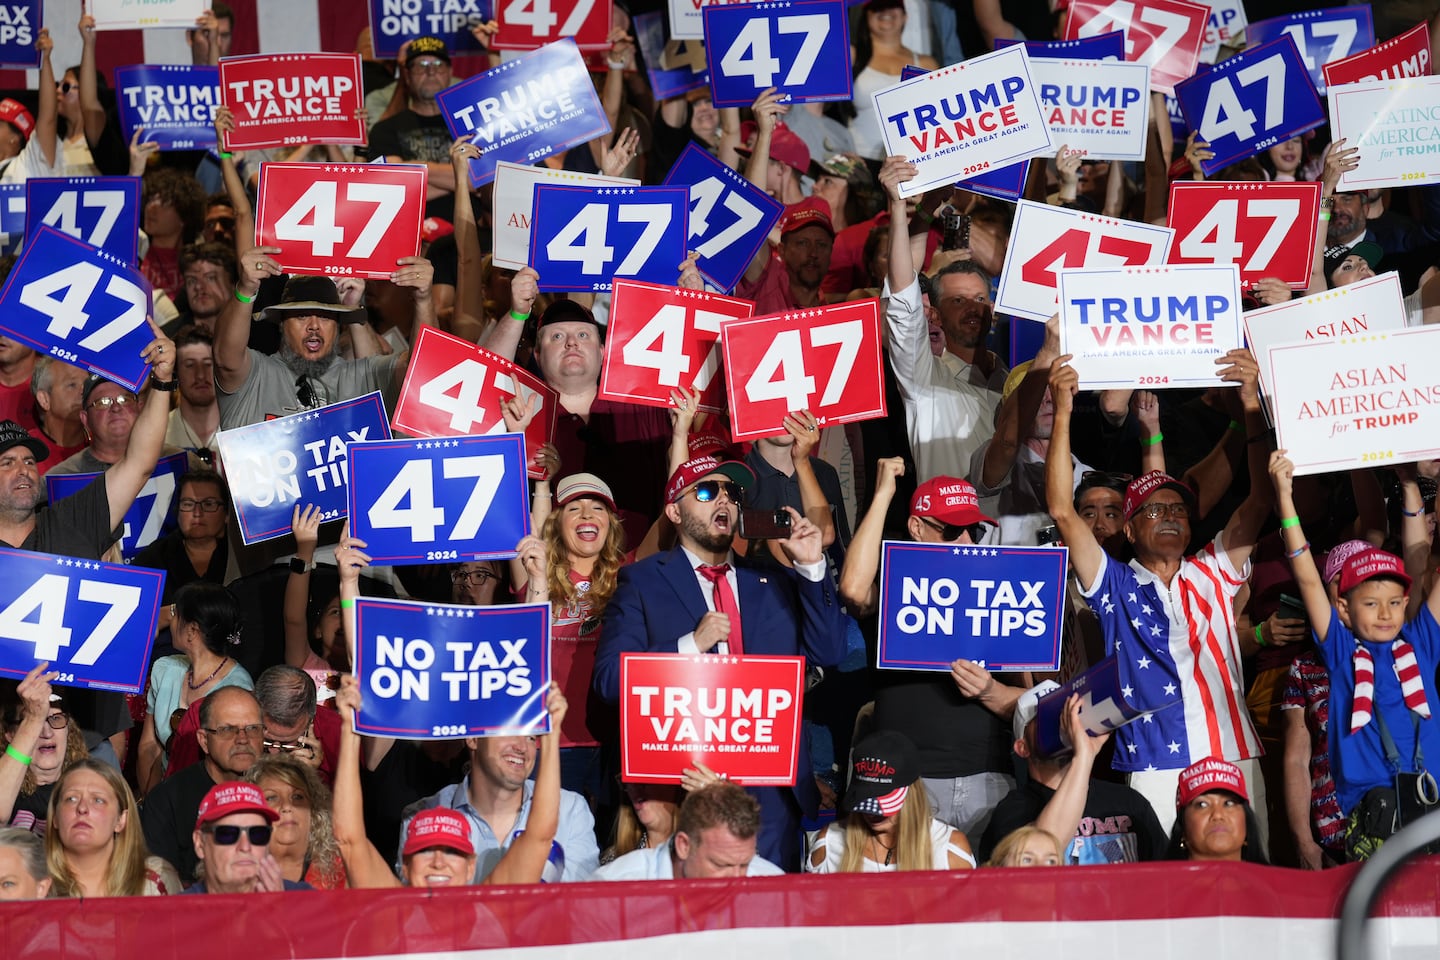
x,y
1177,641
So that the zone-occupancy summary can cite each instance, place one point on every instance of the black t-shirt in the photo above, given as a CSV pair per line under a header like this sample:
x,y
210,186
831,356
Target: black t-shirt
x,y
169,817
1119,825
954,736
416,139
405,774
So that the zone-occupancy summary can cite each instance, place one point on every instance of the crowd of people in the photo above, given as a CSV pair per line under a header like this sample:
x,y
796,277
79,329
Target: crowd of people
x,y
238,767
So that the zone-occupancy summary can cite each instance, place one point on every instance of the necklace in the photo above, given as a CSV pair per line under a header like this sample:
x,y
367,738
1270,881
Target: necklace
x,y
190,675
889,851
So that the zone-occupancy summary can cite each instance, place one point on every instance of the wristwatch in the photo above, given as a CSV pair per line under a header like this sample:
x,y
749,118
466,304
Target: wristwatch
x,y
299,566
164,386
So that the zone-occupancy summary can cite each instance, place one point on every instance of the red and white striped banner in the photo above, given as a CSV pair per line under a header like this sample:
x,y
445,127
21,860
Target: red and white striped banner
x,y
1166,910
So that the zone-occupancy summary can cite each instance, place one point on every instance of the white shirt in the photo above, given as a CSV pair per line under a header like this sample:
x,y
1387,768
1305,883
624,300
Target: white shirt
x,y
814,572
949,404
655,864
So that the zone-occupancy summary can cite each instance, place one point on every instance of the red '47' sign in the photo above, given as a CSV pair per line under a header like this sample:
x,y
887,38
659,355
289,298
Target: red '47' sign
x,y
1407,55
826,360
455,389
1046,239
530,24
1266,229
1165,34
740,716
341,219
660,338
284,98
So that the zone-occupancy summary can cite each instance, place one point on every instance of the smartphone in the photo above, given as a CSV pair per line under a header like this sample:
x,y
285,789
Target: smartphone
x,y
956,235
1048,537
1291,609
765,524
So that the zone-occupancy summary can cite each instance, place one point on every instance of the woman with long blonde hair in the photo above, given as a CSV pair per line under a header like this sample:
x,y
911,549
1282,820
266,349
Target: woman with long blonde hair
x,y
94,844
302,841
889,826
574,565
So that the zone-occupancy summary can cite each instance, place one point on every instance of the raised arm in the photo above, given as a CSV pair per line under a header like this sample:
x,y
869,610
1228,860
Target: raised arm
x,y
34,693
468,319
524,861
364,866
862,558
1244,527
503,336
305,525
415,274
232,328
124,480
803,428
1297,548
1086,555
91,112
1062,815
47,118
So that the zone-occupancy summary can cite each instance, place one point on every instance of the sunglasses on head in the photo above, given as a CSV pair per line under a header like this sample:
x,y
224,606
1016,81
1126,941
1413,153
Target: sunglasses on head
x,y
950,531
227,834
1104,478
707,491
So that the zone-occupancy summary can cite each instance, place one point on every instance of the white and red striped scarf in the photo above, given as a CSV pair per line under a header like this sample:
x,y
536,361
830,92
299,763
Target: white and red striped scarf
x,y
1412,685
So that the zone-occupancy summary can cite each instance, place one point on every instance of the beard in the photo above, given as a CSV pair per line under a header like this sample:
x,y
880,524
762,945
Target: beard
x,y
697,528
302,367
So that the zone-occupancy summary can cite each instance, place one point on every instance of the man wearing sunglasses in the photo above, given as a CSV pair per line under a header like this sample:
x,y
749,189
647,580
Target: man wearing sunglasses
x,y
232,839
1169,616
696,599
959,723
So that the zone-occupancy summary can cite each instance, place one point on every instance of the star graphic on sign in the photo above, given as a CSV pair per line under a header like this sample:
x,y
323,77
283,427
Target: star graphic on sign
x,y
956,551
1170,689
1173,746
1143,663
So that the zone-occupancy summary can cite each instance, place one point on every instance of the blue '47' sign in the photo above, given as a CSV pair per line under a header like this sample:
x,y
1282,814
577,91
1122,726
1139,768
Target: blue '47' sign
x,y
101,211
729,216
582,238
93,622
436,671
1002,607
1322,36
801,49
81,305
435,500
149,516
1250,102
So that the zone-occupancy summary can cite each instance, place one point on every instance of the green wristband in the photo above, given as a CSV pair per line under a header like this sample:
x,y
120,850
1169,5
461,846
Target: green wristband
x,y
1152,441
519,317
10,751
242,298
1288,522
346,604
1259,637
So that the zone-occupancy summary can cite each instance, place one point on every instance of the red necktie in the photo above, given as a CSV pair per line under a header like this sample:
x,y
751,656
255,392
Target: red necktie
x,y
725,601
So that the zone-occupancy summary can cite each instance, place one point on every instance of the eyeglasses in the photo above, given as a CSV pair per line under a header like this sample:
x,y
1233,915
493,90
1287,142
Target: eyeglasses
x,y
708,490
428,66
287,746
208,505
477,577
121,400
227,834
308,397
950,532
230,732
1179,510
57,721
65,86
220,223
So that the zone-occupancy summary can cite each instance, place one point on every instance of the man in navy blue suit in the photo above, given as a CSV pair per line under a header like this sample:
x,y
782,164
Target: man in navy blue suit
x,y
685,601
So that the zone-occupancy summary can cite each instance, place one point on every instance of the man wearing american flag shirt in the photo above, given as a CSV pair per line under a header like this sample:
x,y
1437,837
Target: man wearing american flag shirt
x,y
1168,616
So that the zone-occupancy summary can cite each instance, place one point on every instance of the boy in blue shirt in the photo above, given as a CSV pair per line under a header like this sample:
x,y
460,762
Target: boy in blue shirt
x,y
1382,670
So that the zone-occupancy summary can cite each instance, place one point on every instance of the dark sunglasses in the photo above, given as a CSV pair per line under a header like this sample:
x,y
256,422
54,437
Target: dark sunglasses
x,y
950,532
220,223
227,834
707,491
66,86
